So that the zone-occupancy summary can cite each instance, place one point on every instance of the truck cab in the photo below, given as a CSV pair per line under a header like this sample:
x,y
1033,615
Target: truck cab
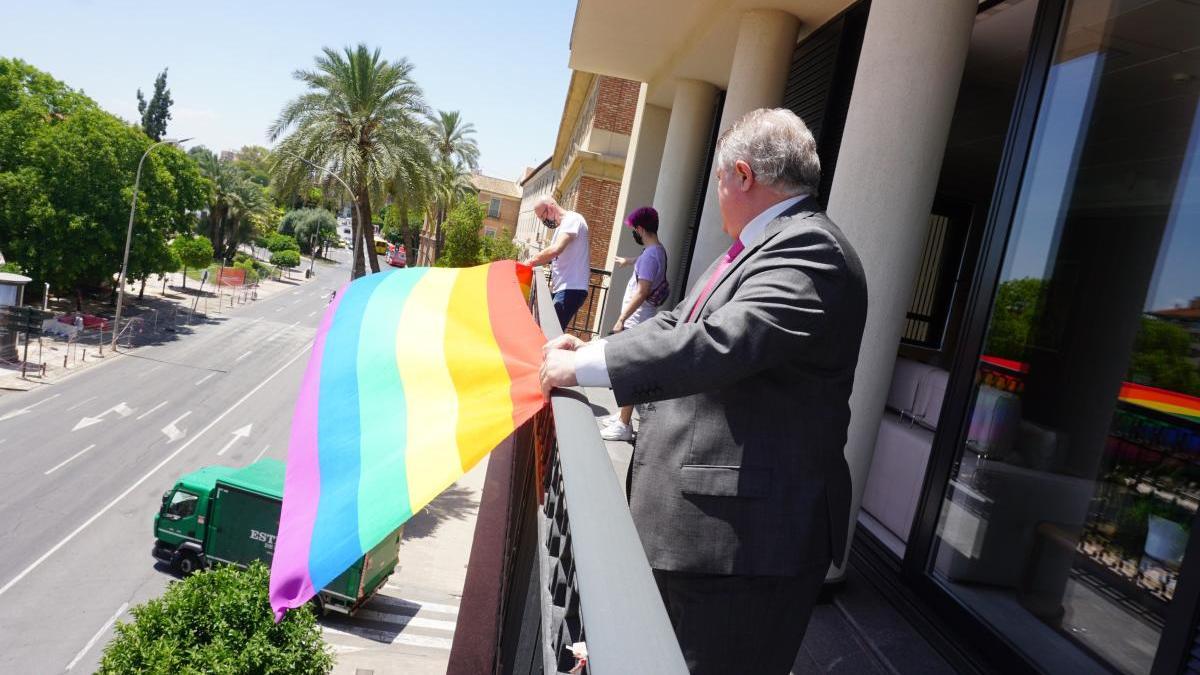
x,y
179,525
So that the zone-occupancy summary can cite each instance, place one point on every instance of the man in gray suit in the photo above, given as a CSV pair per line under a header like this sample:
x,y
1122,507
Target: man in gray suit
x,y
739,488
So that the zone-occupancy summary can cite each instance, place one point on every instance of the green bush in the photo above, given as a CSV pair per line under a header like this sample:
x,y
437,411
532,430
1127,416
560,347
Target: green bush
x,y
252,275
11,267
281,242
217,622
285,258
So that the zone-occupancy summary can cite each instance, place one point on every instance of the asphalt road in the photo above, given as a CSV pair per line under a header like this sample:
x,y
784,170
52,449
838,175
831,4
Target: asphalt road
x,y
84,463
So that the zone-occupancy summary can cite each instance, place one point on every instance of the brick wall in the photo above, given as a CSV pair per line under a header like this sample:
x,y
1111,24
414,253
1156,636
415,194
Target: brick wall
x,y
596,201
616,104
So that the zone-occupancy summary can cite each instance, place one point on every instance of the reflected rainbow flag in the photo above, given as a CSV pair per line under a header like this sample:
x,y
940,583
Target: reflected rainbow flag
x,y
415,375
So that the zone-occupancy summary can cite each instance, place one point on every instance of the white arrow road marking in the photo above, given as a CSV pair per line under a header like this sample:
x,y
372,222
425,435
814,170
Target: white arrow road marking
x,y
148,371
68,460
151,410
22,411
204,379
92,643
120,408
81,402
157,467
243,356
239,434
256,457
173,432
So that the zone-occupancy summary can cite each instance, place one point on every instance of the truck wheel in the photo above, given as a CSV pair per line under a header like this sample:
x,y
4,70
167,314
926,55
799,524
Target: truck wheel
x,y
188,563
318,607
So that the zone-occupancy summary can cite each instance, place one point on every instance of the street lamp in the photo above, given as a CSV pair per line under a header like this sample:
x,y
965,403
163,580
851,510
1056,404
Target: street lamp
x,y
355,252
129,234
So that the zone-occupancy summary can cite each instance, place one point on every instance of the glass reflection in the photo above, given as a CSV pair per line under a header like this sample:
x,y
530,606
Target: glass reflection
x,y
1073,498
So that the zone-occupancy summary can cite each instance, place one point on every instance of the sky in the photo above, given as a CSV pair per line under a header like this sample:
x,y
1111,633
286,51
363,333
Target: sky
x,y
503,64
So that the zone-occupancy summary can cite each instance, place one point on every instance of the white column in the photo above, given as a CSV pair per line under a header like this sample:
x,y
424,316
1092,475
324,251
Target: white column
x,y
887,171
682,166
766,40
637,189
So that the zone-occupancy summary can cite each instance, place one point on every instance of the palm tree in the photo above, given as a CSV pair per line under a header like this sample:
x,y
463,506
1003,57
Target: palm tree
x,y
452,139
451,182
237,206
359,119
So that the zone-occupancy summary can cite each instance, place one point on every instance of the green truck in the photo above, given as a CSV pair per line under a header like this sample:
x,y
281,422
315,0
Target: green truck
x,y
221,514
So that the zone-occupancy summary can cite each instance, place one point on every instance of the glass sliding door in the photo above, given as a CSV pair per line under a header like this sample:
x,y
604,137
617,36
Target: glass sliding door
x,y
1073,496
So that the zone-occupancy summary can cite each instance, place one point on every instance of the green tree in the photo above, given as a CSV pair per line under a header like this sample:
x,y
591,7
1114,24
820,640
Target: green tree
x,y
238,207
453,139
361,113
218,621
451,185
157,111
254,161
1160,357
66,180
464,245
1015,310
500,247
456,154
281,242
193,252
286,258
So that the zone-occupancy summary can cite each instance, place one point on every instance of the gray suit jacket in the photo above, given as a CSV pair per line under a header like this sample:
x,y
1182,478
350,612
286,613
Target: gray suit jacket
x,y
739,465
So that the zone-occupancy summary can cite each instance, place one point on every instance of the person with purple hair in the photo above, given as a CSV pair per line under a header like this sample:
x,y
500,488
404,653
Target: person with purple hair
x,y
647,290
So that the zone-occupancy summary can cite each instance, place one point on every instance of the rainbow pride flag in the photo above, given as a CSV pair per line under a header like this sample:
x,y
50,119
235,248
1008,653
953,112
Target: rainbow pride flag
x,y
415,375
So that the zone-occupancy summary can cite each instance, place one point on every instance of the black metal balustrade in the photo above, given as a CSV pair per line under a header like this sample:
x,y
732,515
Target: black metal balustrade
x,y
556,562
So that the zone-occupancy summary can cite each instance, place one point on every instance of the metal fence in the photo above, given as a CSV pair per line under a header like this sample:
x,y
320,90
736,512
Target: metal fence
x,y
557,570
586,323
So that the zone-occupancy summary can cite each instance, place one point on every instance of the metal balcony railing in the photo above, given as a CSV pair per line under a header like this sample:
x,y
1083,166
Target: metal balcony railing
x,y
556,566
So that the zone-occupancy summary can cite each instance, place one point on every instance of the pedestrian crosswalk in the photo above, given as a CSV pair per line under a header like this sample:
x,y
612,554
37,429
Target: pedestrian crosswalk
x,y
389,621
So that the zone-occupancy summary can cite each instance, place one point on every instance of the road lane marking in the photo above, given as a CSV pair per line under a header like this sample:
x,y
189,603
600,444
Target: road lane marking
x,y
243,356
416,605
150,410
92,643
311,313
293,325
280,309
68,460
22,411
108,507
237,435
404,620
388,638
204,379
148,371
256,457
81,403
173,432
256,321
85,421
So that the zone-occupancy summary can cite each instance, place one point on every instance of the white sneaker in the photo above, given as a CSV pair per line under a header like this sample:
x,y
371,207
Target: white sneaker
x,y
607,420
617,431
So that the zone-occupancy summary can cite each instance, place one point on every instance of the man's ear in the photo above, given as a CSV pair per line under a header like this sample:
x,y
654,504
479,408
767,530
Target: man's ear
x,y
745,175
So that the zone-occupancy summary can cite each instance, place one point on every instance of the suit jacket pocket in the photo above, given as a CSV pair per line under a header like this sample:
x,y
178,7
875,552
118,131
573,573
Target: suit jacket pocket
x,y
724,481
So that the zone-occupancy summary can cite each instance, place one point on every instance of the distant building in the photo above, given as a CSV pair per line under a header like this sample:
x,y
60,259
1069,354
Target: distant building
x,y
537,183
502,198
228,155
1187,318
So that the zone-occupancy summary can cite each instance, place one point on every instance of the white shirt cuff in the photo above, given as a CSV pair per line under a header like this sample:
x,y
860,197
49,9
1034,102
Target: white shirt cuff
x,y
591,370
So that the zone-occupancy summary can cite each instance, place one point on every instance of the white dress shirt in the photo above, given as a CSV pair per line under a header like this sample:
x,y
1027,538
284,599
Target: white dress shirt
x,y
591,369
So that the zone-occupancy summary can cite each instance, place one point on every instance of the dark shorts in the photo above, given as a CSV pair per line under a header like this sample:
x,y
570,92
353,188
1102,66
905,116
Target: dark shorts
x,y
566,303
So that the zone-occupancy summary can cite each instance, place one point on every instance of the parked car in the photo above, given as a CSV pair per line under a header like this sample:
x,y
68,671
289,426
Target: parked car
x,y
396,256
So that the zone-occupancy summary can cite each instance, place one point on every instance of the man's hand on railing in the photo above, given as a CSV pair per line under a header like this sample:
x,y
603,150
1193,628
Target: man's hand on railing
x,y
558,364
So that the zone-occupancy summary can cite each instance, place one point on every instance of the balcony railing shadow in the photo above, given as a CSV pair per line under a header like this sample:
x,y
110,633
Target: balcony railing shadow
x,y
556,565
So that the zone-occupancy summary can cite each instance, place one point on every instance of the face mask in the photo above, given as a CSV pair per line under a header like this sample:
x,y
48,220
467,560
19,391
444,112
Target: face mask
x,y
549,223
638,238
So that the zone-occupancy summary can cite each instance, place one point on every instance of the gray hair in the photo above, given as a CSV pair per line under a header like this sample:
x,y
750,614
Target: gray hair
x,y
779,148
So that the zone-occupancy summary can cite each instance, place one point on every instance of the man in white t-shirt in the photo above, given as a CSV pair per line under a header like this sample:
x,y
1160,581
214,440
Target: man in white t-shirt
x,y
567,255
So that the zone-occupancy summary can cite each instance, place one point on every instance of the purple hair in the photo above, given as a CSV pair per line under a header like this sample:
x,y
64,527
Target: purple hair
x,y
644,217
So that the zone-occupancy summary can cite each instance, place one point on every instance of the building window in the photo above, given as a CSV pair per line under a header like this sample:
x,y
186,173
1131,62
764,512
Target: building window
x,y
489,232
494,208
937,277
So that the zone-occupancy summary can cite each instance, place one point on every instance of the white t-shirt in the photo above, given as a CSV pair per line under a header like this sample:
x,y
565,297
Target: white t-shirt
x,y
570,270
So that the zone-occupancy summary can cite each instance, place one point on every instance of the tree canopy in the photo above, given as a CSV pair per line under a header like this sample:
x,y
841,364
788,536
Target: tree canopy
x,y
66,181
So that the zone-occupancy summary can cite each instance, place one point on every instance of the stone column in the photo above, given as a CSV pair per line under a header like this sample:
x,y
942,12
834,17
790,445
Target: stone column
x,y
637,189
682,166
766,40
887,172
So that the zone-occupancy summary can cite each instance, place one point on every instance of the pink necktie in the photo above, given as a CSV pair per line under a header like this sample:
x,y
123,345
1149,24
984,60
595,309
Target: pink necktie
x,y
726,259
